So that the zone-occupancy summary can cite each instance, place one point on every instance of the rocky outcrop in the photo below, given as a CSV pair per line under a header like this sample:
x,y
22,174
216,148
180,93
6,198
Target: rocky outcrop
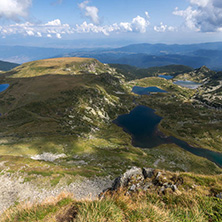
x,y
201,75
137,179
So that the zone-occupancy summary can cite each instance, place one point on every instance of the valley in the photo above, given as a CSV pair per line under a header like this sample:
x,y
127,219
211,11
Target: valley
x,y
57,128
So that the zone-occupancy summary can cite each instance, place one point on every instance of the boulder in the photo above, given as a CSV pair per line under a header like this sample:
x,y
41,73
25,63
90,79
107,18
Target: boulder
x,y
148,172
133,175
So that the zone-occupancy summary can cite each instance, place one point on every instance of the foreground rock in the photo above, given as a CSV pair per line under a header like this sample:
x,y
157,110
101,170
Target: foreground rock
x,y
137,179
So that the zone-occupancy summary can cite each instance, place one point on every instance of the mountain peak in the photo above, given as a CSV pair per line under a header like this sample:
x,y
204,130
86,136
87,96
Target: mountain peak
x,y
204,69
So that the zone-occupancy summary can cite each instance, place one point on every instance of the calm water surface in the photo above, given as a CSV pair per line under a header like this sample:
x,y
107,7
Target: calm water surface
x,y
3,87
166,76
146,90
141,123
188,84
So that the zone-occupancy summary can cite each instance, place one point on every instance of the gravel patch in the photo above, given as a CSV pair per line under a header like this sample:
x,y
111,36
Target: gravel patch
x,y
13,188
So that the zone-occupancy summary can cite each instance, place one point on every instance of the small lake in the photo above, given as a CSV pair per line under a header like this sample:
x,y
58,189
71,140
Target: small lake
x,y
3,87
147,90
187,84
166,76
141,123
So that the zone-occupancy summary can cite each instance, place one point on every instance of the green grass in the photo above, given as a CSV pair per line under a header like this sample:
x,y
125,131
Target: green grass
x,y
188,204
38,212
183,117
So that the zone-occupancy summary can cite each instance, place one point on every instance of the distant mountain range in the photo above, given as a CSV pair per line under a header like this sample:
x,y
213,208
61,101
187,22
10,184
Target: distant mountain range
x,y
21,54
149,55
140,55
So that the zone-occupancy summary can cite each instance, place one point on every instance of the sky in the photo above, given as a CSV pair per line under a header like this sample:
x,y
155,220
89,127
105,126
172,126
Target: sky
x,y
100,23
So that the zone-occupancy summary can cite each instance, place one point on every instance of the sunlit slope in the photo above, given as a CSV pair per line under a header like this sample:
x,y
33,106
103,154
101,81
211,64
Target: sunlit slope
x,y
62,66
62,95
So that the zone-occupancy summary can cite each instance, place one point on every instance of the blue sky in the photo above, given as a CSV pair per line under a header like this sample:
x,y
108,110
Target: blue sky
x,y
105,23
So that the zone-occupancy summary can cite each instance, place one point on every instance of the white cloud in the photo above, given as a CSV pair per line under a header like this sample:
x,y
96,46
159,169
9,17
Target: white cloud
x,y
138,24
55,22
52,28
58,35
14,9
164,28
57,29
30,33
90,11
202,15
125,26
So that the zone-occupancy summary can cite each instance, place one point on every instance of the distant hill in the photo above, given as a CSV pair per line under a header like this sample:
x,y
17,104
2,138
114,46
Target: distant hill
x,y
62,66
132,72
149,55
6,66
169,49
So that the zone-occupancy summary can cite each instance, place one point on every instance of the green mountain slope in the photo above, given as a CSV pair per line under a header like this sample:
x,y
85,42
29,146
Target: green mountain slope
x,y
56,127
53,96
5,66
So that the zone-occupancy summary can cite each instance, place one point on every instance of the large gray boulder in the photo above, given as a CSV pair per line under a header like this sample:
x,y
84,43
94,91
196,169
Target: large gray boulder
x,y
134,173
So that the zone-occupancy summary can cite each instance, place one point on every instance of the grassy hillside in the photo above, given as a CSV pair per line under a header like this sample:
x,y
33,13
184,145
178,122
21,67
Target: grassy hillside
x,y
57,127
70,66
183,116
195,199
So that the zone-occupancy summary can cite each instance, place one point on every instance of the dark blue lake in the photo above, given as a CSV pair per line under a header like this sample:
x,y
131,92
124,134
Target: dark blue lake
x,y
166,77
146,90
141,123
3,87
188,84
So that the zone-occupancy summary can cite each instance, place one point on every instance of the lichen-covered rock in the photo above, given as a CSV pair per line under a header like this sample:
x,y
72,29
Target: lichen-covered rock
x,y
133,174
148,172
137,179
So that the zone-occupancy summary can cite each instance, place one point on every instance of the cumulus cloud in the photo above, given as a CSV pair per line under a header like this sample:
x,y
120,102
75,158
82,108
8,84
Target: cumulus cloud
x,y
202,15
57,29
14,9
52,28
138,24
164,28
90,11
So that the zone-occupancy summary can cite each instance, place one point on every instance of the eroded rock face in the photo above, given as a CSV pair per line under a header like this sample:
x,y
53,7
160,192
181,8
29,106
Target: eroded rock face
x,y
137,179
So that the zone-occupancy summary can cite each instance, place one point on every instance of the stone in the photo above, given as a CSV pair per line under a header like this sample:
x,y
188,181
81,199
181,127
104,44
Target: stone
x,y
174,188
148,172
133,188
219,195
123,180
158,175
